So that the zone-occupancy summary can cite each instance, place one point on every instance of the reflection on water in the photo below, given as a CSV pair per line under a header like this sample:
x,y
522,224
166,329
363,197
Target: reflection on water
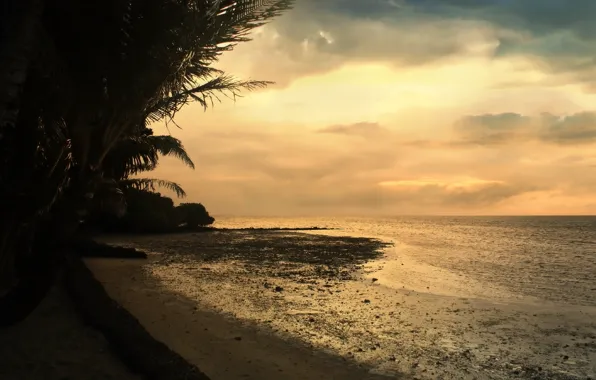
x,y
549,258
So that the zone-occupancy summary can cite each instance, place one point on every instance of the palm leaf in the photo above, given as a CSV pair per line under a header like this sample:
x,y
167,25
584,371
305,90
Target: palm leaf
x,y
151,184
204,94
139,154
169,146
207,35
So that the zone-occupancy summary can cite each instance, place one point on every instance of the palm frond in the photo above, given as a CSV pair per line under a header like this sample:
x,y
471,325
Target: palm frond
x,y
151,184
204,94
128,157
207,35
133,155
169,146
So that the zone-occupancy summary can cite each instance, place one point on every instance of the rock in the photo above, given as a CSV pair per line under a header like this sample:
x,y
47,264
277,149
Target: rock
x,y
237,338
278,289
375,279
366,301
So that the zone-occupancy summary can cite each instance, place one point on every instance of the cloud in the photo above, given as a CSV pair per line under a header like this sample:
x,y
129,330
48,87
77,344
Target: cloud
x,y
491,128
356,129
412,197
321,36
508,128
579,128
317,37
469,193
243,171
557,37
537,163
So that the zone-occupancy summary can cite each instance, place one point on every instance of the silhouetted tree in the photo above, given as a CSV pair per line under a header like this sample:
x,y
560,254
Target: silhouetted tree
x,y
132,156
74,87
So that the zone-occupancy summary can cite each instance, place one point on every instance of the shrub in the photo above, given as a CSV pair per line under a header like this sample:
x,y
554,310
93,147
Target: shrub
x,y
193,215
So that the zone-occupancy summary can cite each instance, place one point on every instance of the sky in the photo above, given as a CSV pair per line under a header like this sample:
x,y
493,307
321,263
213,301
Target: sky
x,y
403,107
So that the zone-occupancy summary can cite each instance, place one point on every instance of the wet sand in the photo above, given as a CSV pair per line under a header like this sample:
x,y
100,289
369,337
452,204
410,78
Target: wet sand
x,y
221,346
209,298
54,344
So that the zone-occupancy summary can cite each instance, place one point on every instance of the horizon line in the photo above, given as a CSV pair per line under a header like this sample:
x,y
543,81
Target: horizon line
x,y
403,215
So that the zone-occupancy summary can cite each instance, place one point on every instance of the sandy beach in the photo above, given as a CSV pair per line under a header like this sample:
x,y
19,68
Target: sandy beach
x,y
221,345
281,318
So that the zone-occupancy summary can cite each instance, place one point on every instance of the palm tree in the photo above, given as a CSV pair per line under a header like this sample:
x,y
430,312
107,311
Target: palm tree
x,y
35,154
155,58
134,62
132,156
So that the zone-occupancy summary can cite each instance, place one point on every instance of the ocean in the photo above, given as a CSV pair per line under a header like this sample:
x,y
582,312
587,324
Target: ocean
x,y
518,258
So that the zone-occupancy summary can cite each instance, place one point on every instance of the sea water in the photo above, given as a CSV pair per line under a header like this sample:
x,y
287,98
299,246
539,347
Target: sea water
x,y
541,258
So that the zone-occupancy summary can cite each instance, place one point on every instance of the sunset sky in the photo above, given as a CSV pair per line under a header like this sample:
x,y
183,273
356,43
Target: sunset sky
x,y
389,107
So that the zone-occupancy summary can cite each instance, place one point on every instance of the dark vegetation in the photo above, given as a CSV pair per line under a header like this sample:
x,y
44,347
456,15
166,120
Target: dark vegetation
x,y
151,212
81,83
77,99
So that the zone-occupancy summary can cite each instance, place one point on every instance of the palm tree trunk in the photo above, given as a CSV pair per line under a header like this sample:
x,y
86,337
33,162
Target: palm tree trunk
x,y
19,27
19,36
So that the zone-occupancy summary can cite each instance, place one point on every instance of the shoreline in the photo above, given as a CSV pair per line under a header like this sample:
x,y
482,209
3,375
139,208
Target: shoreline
x,y
232,347
386,331
281,304
182,231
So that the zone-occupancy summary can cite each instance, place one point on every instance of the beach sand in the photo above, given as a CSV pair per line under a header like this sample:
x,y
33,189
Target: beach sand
x,y
285,319
222,347
54,344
